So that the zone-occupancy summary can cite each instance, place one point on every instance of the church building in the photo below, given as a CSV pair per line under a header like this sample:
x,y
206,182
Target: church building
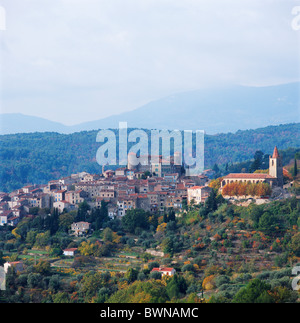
x,y
273,178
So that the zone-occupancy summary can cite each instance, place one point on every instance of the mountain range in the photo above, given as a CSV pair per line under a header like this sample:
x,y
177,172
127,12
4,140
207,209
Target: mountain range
x,y
219,110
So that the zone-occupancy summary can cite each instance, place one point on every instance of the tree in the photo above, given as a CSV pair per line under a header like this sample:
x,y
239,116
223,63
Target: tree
x,y
42,239
295,244
54,283
34,280
243,189
150,291
216,183
171,215
2,261
131,275
295,169
52,222
30,237
269,223
176,286
216,168
257,164
211,202
91,283
256,291
100,215
135,218
43,267
65,221
82,212
87,248
168,245
208,282
15,233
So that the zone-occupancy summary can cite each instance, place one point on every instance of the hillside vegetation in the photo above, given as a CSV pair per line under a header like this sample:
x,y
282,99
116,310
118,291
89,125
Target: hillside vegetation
x,y
233,254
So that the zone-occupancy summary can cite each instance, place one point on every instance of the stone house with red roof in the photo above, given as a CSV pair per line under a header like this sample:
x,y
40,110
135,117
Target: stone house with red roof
x,y
273,178
165,271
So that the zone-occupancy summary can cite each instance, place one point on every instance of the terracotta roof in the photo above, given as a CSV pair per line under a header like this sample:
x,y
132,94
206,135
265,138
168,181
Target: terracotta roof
x,y
15,262
162,269
275,153
71,249
195,187
248,176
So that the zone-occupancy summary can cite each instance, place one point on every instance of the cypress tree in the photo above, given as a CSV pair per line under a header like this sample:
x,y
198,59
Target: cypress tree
x,y
295,170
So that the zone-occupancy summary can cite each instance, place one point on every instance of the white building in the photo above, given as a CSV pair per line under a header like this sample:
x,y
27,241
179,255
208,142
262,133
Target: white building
x,y
198,194
61,205
165,271
70,252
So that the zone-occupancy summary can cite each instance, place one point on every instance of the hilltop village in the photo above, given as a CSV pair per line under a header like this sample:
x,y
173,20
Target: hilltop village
x,y
153,188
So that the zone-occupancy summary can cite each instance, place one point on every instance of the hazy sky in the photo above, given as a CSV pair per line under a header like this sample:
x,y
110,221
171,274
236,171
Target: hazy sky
x,y
79,60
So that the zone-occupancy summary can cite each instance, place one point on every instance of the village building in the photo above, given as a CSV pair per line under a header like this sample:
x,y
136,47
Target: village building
x,y
27,189
126,189
62,205
75,197
198,194
5,217
165,271
273,178
91,188
80,228
121,171
154,164
59,195
126,203
70,252
112,211
88,178
108,173
17,265
41,200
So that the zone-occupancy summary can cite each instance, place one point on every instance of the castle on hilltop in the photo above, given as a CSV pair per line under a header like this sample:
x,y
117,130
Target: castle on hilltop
x,y
273,178
160,167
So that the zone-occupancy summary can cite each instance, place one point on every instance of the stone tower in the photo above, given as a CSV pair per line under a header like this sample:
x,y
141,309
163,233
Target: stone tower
x,y
275,167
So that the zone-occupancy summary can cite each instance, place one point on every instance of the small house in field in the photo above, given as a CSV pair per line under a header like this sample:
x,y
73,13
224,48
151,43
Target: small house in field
x,y
165,271
70,252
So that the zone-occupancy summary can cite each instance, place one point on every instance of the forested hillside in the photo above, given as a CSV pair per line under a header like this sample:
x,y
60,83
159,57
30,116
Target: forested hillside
x,y
231,253
40,157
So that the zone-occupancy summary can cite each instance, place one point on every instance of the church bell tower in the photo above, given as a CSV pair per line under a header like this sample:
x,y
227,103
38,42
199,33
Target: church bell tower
x,y
275,167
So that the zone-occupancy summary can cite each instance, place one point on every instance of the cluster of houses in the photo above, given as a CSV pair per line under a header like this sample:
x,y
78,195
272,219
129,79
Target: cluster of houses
x,y
123,189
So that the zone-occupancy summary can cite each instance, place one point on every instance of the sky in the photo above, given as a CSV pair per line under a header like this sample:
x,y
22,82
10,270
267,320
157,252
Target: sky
x,y
74,61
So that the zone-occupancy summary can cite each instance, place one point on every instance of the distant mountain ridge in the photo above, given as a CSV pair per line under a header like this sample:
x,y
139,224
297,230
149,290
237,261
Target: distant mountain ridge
x,y
20,123
221,110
